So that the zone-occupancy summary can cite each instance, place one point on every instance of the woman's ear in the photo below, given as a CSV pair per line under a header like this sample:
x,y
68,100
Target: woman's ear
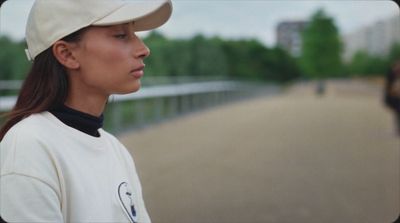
x,y
62,50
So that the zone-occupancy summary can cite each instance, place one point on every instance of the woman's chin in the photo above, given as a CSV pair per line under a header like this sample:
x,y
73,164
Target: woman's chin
x,y
132,90
129,88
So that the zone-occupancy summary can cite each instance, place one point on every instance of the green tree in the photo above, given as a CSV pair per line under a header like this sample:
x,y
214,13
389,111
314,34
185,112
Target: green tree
x,y
244,59
14,64
321,47
249,59
363,64
207,57
282,66
216,57
394,53
157,64
197,56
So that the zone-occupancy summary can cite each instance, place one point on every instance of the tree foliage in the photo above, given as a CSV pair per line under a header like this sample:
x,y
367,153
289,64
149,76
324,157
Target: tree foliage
x,y
14,63
321,47
394,53
198,56
201,56
249,59
363,64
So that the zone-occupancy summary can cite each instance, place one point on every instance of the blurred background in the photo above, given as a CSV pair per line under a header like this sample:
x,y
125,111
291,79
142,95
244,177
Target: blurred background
x,y
255,111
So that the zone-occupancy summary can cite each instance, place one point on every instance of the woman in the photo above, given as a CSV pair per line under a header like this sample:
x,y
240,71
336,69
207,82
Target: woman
x,y
392,92
57,164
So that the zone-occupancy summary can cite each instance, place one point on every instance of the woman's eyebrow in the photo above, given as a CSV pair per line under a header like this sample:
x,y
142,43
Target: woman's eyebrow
x,y
128,27
114,29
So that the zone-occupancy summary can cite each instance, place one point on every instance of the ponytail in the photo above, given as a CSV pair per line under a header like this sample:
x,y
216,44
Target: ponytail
x,y
45,87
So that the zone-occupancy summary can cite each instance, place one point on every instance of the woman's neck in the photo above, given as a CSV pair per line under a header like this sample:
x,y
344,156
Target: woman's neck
x,y
84,98
87,102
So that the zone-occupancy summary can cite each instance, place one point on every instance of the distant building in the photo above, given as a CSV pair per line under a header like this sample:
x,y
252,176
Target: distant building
x,y
289,36
376,39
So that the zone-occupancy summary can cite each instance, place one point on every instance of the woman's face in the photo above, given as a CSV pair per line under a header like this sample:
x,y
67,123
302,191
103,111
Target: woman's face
x,y
110,59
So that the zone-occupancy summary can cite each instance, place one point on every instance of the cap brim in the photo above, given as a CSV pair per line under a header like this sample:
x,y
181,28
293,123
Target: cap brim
x,y
146,14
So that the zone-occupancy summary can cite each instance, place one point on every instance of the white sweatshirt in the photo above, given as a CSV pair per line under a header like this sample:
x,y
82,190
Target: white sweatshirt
x,y
51,172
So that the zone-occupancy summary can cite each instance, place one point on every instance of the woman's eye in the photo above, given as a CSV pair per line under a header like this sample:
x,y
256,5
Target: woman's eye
x,y
120,36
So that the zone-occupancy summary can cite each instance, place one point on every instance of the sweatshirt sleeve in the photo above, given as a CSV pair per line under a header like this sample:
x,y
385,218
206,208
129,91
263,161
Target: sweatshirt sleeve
x,y
29,179
26,199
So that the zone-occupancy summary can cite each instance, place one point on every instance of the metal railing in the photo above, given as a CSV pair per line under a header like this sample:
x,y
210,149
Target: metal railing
x,y
10,84
156,103
7,102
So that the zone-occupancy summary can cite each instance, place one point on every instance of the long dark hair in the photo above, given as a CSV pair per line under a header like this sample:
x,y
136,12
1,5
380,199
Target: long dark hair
x,y
45,87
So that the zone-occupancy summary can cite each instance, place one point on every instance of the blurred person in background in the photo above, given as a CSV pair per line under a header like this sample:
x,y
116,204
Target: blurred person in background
x,y
392,97
392,92
57,163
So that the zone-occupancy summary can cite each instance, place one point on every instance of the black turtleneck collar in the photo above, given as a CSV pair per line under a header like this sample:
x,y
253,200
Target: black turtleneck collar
x,y
83,122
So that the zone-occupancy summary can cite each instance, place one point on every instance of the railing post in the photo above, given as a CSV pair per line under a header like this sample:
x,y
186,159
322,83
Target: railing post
x,y
139,107
115,116
158,108
173,106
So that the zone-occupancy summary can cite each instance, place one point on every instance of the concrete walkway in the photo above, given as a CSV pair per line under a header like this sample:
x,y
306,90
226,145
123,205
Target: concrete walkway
x,y
293,158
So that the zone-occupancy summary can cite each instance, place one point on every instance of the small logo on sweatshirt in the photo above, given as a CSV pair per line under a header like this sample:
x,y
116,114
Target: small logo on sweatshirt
x,y
125,196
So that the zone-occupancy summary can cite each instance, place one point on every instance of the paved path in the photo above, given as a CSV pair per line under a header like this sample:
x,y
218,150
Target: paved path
x,y
293,158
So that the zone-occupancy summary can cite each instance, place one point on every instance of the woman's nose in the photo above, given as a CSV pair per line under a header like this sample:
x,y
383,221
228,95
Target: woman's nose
x,y
141,50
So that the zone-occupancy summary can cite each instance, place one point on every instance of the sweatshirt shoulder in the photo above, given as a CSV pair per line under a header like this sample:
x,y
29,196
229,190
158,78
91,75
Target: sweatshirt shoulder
x,y
116,144
28,128
111,138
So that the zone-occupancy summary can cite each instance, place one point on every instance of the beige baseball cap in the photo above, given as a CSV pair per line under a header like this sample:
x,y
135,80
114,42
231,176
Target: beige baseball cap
x,y
51,20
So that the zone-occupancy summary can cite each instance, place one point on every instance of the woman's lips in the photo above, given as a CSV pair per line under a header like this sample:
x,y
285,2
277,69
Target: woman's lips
x,y
138,72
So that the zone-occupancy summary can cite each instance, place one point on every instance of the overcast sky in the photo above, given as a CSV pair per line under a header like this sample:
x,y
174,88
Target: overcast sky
x,y
235,18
